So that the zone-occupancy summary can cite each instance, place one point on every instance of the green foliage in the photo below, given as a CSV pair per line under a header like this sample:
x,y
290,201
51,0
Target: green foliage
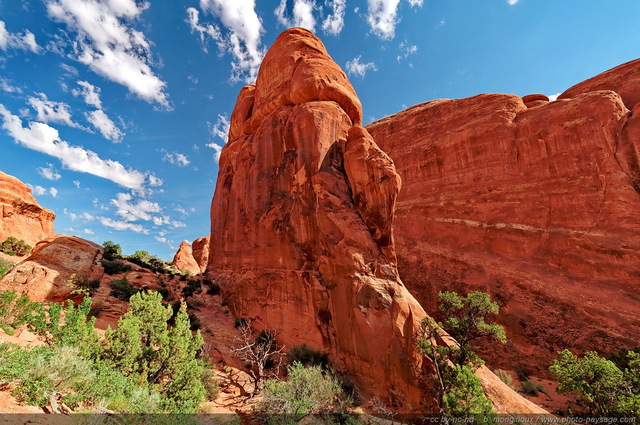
x,y
308,390
192,287
115,266
13,246
148,261
14,310
112,251
504,377
466,321
308,357
464,397
598,384
522,372
4,267
531,388
459,390
144,348
82,285
623,358
122,289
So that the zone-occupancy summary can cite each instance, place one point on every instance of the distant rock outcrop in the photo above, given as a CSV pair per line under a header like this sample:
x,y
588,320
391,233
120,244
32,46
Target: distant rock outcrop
x,y
20,214
200,250
45,273
535,202
184,261
301,236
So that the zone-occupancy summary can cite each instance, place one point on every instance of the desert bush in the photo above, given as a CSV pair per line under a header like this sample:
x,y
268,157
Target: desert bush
x,y
308,390
505,377
13,246
122,289
523,373
213,287
531,388
112,251
82,285
115,266
192,287
599,386
14,310
308,357
5,266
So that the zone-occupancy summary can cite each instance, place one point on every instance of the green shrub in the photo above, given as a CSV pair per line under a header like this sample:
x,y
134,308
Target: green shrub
x,y
504,377
115,266
531,388
192,287
14,310
308,357
122,289
213,287
13,246
82,284
308,390
5,266
464,396
522,372
112,251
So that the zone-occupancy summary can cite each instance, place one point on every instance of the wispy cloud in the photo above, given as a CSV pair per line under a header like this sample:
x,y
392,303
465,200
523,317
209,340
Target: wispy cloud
x,y
37,190
109,45
122,225
50,111
49,173
8,87
512,2
334,21
90,93
175,158
53,191
220,129
25,41
43,138
302,14
406,50
356,68
382,16
243,38
104,125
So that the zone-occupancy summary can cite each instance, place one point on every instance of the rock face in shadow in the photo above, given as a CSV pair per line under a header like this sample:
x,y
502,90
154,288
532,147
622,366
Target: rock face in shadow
x,y
301,235
44,274
184,261
534,202
20,214
200,251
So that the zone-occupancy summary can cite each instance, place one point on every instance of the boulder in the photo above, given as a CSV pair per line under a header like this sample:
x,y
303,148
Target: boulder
x,y
184,261
45,273
20,214
200,250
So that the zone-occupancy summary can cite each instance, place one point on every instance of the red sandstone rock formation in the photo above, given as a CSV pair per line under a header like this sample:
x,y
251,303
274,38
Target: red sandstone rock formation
x,y
301,236
44,274
184,261
623,79
535,206
200,250
20,214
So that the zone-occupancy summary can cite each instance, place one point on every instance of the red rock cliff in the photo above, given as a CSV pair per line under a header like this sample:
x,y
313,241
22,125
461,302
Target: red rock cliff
x,y
200,250
184,261
20,214
301,236
534,204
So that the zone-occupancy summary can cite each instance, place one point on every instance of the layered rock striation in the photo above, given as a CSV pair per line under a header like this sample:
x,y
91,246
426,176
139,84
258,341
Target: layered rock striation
x,y
20,214
535,202
45,273
301,235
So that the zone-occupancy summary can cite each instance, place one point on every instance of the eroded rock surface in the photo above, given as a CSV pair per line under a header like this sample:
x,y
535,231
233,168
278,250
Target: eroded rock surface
x,y
20,214
535,205
301,235
45,273
200,251
184,261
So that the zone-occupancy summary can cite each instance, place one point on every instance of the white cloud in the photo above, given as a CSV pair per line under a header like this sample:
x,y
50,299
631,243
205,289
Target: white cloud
x,y
193,18
88,231
76,183
87,216
109,46
406,50
43,138
26,41
90,93
358,69
104,125
512,2
122,225
161,239
155,181
37,190
175,158
334,22
221,127
50,111
244,33
419,3
302,14
382,16
130,211
49,173
53,191
553,97
8,87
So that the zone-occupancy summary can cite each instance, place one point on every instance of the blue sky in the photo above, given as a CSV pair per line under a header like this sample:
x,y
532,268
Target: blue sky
x,y
114,110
